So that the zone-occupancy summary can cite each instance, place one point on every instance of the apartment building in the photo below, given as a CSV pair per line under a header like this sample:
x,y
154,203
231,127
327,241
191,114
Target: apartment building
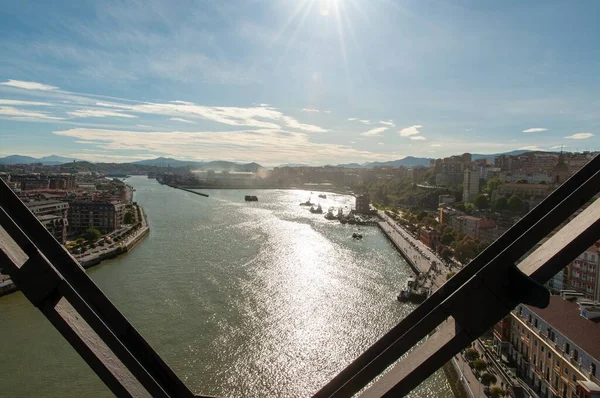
x,y
53,214
105,216
555,350
584,273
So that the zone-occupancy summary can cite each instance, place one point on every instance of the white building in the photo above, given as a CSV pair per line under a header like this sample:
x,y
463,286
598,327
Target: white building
x,y
531,178
470,185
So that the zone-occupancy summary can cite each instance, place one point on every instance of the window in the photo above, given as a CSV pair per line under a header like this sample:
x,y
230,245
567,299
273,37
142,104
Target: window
x,y
549,355
542,349
535,322
566,371
529,318
593,369
576,355
567,348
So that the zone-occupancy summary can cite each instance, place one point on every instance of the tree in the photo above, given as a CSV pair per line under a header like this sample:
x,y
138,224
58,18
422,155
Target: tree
x,y
501,204
492,184
92,234
481,202
497,392
515,204
450,275
128,218
446,254
472,354
79,240
459,206
479,365
482,246
487,379
447,239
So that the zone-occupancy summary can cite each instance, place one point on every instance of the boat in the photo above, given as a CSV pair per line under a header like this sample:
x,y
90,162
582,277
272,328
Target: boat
x,y
330,215
340,213
318,210
411,294
322,196
250,198
356,235
307,203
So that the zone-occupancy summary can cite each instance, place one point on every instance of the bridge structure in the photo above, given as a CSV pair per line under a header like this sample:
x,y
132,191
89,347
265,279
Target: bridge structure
x,y
511,271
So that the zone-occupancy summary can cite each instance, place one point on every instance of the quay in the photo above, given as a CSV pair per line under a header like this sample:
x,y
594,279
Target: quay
x,y
189,190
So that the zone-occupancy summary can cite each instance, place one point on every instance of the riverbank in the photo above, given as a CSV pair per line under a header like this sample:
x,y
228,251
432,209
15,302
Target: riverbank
x,y
88,261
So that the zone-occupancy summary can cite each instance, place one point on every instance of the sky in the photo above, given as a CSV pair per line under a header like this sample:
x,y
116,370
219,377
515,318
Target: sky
x,y
302,81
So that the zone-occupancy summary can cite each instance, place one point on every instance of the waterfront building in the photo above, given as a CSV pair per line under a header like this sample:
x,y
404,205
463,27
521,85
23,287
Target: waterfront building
x,y
531,178
470,185
430,237
53,214
105,216
555,350
363,203
525,191
472,226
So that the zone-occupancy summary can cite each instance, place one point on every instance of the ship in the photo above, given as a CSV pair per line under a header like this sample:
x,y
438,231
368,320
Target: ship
x,y
330,215
318,210
250,198
307,203
322,196
411,293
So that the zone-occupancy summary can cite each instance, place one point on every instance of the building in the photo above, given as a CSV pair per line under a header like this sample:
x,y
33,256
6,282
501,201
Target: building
x,y
584,273
472,226
470,185
525,191
531,178
446,214
555,350
416,174
430,237
53,214
363,203
105,216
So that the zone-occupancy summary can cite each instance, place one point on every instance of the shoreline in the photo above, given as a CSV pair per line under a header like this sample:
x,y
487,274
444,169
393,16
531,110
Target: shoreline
x,y
8,288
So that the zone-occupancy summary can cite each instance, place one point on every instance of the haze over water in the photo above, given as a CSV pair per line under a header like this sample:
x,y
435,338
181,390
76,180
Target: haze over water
x,y
241,299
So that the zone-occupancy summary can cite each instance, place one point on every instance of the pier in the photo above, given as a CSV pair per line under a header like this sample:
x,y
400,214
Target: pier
x,y
189,190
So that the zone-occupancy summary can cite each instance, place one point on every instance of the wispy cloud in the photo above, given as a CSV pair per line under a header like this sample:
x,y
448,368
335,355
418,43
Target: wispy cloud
x,y
262,145
435,145
380,143
20,114
365,121
178,119
28,85
183,102
408,131
418,138
310,110
99,113
535,130
351,119
388,123
23,103
579,136
531,148
376,132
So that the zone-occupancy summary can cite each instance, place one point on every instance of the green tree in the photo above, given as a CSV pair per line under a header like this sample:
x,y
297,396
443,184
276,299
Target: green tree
x,y
480,365
515,204
446,254
482,246
92,234
487,379
493,184
79,240
128,218
459,206
501,204
447,239
472,354
450,275
497,392
481,201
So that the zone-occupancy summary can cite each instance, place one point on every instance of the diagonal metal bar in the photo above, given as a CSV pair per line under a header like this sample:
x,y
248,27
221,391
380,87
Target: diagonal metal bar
x,y
104,318
547,216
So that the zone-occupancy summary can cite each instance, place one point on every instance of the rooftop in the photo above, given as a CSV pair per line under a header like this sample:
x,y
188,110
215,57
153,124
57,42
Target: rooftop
x,y
565,317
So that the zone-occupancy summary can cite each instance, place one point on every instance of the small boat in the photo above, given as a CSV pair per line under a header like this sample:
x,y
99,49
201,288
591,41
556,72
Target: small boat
x,y
250,198
307,203
356,235
330,215
322,196
411,294
340,213
318,210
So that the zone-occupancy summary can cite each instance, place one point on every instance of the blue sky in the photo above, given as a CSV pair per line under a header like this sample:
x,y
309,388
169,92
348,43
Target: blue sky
x,y
304,81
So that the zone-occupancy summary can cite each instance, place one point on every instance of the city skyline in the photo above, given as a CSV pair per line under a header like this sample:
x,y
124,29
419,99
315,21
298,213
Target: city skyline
x,y
313,82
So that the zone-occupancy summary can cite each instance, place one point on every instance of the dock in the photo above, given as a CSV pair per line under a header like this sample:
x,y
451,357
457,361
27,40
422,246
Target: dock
x,y
189,190
404,247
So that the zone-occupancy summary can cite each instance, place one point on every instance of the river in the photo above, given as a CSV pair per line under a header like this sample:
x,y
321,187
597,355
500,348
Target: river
x,y
242,299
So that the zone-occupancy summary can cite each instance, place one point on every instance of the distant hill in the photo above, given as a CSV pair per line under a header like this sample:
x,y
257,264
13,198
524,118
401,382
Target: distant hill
x,y
409,161
476,156
51,160
214,165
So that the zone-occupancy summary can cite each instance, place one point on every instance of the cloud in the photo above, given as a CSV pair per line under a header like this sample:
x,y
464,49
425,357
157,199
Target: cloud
x,y
20,114
435,145
178,119
418,138
387,123
580,136
353,142
28,85
99,113
268,146
408,131
376,132
351,119
326,111
558,147
23,103
181,102
535,130
310,110
380,143
364,121
531,148
293,123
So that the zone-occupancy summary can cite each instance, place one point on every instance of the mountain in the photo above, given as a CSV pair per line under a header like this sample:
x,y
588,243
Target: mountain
x,y
409,161
51,160
476,156
216,165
